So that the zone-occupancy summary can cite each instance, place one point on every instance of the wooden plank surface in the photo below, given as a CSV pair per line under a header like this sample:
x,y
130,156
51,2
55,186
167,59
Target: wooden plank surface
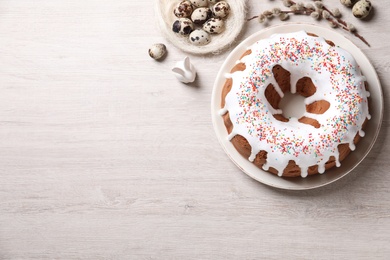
x,y
104,155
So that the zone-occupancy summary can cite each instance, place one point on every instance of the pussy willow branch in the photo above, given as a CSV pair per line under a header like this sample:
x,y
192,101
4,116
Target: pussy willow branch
x,y
333,19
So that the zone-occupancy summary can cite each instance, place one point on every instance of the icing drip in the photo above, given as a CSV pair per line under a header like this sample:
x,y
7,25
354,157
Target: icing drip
x,y
338,80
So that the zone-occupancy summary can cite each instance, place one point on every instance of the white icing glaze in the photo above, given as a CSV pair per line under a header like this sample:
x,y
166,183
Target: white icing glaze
x,y
338,80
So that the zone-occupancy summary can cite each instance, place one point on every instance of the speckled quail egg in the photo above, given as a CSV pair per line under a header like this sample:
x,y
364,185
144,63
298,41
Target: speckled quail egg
x,y
347,3
183,9
157,51
214,26
221,9
199,37
183,26
201,15
361,9
200,3
213,2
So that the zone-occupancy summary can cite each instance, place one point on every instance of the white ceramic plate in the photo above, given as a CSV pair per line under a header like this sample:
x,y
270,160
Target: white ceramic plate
x,y
347,165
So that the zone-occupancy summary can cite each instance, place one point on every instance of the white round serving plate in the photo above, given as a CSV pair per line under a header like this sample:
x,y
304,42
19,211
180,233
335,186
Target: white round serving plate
x,y
333,174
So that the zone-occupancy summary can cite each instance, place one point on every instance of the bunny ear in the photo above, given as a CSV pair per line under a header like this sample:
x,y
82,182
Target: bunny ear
x,y
187,63
178,71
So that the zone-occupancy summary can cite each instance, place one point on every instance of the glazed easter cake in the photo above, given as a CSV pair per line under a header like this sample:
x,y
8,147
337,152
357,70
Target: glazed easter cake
x,y
336,101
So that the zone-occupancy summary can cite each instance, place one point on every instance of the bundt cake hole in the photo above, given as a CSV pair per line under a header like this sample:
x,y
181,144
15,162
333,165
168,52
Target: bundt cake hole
x,y
292,105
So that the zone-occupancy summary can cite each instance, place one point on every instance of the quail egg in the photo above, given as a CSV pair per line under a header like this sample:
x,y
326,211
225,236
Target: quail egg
x,y
201,15
157,51
200,3
362,9
199,37
221,9
348,3
183,9
214,26
183,26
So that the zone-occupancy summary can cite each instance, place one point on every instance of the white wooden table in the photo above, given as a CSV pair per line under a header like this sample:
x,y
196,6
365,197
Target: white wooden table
x,y
104,155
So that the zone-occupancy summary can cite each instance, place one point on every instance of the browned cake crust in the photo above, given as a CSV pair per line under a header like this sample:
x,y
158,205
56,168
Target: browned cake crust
x,y
306,88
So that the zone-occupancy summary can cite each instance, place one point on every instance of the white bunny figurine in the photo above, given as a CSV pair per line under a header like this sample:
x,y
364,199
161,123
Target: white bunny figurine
x,y
185,71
